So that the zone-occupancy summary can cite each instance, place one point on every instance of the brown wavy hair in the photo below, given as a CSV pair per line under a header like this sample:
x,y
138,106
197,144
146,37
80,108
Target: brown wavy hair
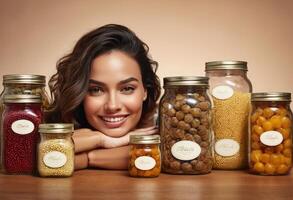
x,y
70,84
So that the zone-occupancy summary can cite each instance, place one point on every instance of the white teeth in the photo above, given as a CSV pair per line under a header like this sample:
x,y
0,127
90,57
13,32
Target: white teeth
x,y
113,119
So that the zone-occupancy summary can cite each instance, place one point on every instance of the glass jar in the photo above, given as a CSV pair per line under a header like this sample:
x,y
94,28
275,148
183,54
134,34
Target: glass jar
x,y
20,120
144,156
15,84
270,141
185,126
25,84
231,90
56,150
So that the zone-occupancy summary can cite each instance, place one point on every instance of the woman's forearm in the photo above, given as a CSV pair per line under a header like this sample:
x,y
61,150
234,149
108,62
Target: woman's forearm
x,y
81,161
115,158
86,140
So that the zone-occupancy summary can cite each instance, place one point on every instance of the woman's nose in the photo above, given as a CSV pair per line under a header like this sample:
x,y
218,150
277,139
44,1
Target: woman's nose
x,y
113,103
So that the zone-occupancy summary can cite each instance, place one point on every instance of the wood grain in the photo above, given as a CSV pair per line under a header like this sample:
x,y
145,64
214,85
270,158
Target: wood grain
x,y
106,184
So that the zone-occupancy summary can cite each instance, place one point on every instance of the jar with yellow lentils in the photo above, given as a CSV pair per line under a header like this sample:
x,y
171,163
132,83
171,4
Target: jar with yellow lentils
x,y
56,150
144,156
270,140
231,90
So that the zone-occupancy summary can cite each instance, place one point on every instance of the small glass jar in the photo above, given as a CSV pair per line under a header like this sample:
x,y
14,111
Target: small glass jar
x,y
231,90
144,156
185,126
20,120
270,141
56,150
25,84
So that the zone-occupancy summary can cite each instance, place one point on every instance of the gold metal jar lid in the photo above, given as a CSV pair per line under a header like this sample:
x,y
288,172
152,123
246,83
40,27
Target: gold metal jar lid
x,y
24,79
56,128
22,98
217,65
186,81
271,96
145,139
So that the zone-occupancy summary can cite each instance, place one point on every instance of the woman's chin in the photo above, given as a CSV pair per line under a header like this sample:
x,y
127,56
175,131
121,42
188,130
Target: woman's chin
x,y
115,132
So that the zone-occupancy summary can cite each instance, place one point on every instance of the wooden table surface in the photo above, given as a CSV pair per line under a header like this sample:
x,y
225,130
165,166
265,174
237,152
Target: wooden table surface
x,y
102,184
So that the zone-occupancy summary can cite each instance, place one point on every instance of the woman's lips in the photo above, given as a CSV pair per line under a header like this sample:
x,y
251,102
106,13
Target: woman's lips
x,y
114,122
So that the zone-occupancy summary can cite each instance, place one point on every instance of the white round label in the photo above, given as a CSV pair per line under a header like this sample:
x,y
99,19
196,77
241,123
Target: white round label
x,y
222,92
145,163
55,159
22,127
185,150
227,147
271,138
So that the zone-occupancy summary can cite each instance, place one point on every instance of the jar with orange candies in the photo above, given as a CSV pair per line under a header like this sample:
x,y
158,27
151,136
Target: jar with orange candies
x,y
270,134
144,156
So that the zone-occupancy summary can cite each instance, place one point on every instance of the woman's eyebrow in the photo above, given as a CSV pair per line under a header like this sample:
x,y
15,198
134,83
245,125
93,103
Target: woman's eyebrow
x,y
128,80
120,82
96,82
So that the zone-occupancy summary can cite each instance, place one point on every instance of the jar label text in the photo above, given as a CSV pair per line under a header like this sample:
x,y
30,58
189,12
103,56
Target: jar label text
x,y
271,138
222,92
185,150
22,127
145,163
55,159
227,147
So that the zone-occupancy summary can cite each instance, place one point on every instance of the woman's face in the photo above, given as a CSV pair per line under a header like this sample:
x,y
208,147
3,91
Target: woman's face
x,y
113,104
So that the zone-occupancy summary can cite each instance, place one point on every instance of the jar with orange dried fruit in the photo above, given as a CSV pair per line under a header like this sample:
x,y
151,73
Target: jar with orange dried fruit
x,y
144,156
270,141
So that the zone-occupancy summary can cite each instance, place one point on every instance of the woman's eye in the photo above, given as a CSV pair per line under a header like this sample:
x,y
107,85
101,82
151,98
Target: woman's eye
x,y
95,91
127,90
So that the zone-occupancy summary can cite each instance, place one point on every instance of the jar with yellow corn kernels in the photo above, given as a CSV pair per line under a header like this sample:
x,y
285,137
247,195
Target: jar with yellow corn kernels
x,y
144,156
270,141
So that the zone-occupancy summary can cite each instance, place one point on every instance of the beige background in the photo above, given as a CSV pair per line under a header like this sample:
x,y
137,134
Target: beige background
x,y
182,34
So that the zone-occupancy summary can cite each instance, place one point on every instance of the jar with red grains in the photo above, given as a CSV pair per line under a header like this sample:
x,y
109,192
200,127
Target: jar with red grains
x,y
20,120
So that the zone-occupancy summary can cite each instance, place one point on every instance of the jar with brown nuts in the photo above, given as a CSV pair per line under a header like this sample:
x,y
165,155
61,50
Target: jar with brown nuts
x,y
56,150
185,126
270,141
230,89
144,156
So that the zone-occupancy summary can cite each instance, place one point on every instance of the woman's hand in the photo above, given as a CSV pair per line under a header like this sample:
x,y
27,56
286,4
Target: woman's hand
x,y
110,142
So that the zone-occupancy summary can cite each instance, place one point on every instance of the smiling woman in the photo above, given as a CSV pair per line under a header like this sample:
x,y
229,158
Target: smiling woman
x,y
108,88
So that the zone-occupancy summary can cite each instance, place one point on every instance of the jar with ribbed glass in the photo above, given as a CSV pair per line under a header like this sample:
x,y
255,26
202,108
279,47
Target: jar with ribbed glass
x,y
185,126
24,84
270,141
56,150
20,120
144,156
230,90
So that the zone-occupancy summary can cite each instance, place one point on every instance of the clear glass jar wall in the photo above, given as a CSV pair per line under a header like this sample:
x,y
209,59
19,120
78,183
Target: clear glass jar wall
x,y
270,141
185,126
230,89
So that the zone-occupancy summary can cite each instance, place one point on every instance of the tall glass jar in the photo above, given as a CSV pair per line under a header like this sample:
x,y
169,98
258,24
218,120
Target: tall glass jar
x,y
270,141
20,120
144,156
15,84
230,89
185,126
56,150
